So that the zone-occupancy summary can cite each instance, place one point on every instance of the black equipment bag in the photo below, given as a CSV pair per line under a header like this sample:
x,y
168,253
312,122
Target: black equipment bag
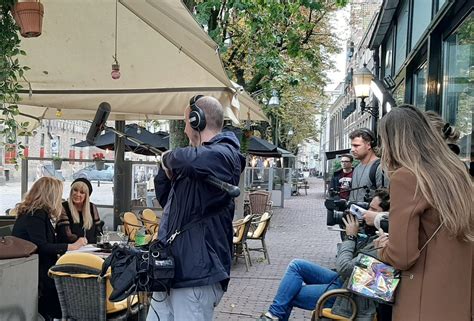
x,y
149,269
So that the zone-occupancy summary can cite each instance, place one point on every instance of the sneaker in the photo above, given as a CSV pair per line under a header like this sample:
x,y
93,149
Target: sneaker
x,y
267,317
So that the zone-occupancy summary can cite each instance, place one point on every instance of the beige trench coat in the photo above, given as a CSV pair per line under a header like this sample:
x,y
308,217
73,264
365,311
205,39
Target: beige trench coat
x,y
437,282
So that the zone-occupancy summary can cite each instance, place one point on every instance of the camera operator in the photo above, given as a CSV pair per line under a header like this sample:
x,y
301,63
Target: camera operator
x,y
342,179
304,282
369,172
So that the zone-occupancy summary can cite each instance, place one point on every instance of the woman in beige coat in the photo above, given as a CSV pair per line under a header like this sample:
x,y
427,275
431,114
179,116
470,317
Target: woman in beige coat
x,y
429,189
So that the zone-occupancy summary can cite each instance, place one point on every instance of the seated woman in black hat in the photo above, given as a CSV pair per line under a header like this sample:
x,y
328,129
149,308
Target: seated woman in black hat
x,y
79,217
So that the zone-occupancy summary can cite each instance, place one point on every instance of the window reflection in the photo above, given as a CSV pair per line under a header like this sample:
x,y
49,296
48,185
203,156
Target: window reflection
x,y
401,40
421,19
420,86
458,84
399,93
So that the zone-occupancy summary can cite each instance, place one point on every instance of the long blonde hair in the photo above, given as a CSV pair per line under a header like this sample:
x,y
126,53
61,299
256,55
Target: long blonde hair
x,y
409,140
45,194
86,206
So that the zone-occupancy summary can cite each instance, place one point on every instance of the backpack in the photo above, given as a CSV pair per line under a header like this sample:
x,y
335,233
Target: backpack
x,y
373,173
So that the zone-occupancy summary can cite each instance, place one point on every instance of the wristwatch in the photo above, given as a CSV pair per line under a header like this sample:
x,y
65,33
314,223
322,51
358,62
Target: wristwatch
x,y
351,238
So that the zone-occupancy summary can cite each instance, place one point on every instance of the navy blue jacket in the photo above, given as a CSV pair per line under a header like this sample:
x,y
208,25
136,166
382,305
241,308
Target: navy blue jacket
x,y
203,253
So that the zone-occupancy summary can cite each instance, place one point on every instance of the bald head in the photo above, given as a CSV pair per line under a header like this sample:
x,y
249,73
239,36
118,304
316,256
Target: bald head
x,y
214,115
214,112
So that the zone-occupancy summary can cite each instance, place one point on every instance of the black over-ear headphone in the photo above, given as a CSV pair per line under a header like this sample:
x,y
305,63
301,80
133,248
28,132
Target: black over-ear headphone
x,y
197,118
373,140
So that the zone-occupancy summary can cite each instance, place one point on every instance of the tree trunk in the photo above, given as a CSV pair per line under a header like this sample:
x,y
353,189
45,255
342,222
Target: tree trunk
x,y
177,136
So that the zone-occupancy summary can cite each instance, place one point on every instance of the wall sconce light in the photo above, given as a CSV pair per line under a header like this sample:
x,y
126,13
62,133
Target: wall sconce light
x,y
362,80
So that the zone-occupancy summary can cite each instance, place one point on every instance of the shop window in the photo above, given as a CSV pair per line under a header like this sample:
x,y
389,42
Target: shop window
x,y
420,86
388,56
421,19
458,77
399,93
401,39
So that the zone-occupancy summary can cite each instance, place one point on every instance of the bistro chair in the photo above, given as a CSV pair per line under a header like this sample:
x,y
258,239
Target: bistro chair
x,y
131,224
242,227
260,230
320,313
83,294
260,202
150,220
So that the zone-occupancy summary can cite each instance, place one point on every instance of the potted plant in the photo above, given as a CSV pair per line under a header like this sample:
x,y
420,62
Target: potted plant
x,y
29,17
99,161
57,162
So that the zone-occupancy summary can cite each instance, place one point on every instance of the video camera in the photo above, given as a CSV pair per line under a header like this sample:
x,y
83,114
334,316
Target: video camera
x,y
337,207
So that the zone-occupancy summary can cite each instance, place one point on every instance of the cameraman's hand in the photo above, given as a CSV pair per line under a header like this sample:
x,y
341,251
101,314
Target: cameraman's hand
x,y
352,224
369,217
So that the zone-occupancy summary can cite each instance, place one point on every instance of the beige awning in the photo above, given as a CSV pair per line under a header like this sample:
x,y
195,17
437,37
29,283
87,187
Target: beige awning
x,y
165,58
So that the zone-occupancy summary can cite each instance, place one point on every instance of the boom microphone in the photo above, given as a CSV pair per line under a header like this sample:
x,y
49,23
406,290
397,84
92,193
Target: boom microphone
x,y
98,125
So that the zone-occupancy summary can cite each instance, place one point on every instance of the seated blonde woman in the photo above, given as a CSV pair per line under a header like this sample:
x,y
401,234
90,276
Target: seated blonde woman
x,y
79,217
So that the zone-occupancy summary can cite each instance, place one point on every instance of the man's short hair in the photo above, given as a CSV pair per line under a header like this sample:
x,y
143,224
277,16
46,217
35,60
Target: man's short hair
x,y
384,196
214,112
351,158
363,133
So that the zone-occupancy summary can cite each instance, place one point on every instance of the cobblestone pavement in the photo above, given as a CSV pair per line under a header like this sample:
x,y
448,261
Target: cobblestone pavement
x,y
296,231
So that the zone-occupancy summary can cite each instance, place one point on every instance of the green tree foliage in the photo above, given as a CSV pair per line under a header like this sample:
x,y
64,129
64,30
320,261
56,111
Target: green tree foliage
x,y
10,72
275,44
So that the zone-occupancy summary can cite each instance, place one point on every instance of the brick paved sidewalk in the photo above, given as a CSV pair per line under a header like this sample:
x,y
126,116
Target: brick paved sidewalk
x,y
297,231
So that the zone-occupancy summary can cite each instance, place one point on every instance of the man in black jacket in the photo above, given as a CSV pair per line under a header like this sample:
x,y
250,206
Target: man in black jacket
x,y
203,253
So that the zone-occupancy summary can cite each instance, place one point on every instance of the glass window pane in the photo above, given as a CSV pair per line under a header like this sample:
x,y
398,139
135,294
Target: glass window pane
x,y
401,40
399,93
458,82
421,19
441,3
388,56
420,86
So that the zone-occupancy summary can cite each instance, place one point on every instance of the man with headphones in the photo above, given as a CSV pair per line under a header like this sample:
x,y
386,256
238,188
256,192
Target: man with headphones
x,y
204,214
368,172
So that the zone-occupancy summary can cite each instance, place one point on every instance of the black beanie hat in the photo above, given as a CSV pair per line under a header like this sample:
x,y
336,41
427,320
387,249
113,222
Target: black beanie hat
x,y
85,181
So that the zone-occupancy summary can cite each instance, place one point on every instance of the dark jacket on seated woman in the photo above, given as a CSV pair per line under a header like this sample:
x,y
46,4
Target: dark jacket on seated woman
x,y
35,221
69,232
36,227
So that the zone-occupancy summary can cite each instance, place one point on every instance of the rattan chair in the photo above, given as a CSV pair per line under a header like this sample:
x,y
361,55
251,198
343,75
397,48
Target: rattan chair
x,y
320,313
260,230
242,227
131,224
83,293
150,220
260,202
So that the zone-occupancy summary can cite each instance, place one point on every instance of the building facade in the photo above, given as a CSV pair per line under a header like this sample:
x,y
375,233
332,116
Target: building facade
x,y
427,48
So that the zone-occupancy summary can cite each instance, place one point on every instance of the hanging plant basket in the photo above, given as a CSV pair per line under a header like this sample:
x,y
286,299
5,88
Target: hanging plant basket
x,y
57,164
99,165
29,17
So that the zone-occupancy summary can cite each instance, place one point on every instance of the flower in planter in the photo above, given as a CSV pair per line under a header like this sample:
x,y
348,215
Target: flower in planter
x,y
98,156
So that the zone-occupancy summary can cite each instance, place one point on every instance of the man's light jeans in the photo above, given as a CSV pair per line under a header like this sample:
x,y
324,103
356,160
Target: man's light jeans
x,y
186,304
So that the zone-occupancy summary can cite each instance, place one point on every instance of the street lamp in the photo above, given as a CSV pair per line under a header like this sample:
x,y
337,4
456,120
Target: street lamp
x,y
274,102
362,80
